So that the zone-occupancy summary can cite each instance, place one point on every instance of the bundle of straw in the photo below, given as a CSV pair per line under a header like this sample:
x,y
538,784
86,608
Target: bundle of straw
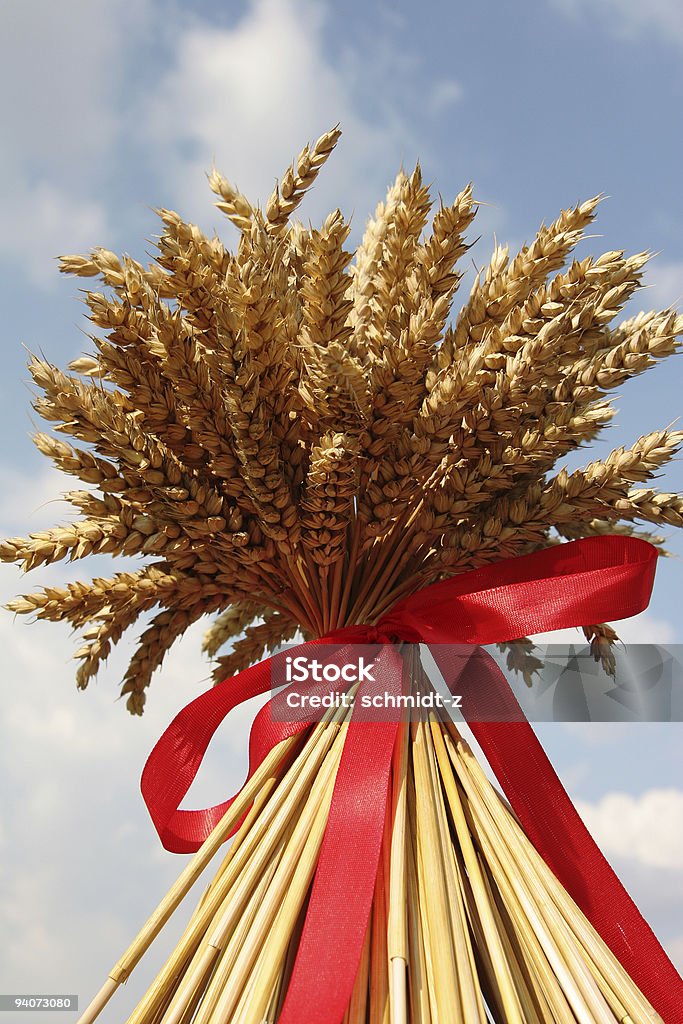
x,y
296,439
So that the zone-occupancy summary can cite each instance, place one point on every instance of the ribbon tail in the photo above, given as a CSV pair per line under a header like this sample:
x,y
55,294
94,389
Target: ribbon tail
x,y
554,827
341,898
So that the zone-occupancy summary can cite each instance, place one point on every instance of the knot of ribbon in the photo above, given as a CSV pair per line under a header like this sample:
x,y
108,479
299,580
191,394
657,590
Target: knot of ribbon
x,y
593,580
384,633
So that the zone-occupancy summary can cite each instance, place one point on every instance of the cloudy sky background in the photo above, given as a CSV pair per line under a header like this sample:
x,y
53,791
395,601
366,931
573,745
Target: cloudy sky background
x,y
110,109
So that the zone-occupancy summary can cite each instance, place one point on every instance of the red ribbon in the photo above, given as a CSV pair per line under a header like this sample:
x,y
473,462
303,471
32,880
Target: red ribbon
x,y
589,581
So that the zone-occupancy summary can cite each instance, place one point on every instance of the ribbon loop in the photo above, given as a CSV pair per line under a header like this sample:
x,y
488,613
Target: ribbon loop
x,y
176,758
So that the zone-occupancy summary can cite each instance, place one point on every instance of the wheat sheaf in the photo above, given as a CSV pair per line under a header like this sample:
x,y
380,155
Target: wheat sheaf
x,y
291,438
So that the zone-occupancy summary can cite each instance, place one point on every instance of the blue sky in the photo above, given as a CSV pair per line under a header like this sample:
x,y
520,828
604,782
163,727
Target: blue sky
x,y
110,109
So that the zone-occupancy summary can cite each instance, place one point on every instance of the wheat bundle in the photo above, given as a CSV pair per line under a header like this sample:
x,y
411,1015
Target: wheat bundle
x,y
294,438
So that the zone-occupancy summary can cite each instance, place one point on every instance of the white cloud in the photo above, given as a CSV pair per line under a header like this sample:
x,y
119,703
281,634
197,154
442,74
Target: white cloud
x,y
60,86
58,80
445,94
599,734
41,222
639,629
628,19
646,629
665,284
250,97
27,503
647,828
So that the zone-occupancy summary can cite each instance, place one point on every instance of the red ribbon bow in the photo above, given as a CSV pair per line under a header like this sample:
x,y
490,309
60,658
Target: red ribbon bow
x,y
589,581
